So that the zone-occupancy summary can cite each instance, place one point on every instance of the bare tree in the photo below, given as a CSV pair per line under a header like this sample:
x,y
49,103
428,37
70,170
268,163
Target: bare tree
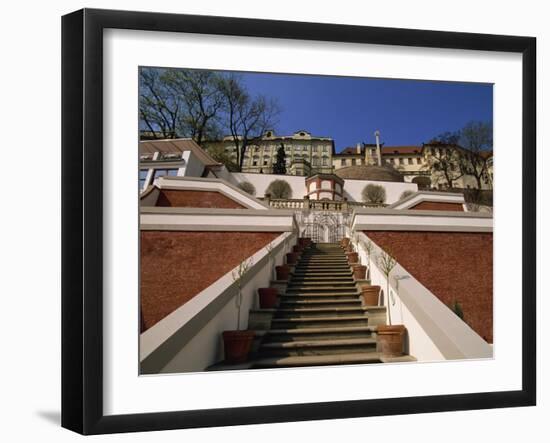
x,y
202,99
477,139
159,111
180,103
247,118
446,160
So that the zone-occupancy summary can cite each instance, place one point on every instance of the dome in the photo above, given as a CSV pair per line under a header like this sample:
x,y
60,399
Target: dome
x,y
371,172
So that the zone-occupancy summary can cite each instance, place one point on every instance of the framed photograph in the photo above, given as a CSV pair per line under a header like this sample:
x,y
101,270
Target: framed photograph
x,y
269,221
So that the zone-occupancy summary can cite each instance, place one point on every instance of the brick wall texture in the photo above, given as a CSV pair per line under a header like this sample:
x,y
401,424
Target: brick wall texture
x,y
452,265
439,206
176,266
195,199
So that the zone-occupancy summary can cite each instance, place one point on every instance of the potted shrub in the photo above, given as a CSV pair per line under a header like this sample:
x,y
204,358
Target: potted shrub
x,y
268,297
237,343
283,272
370,295
353,257
359,271
297,249
391,338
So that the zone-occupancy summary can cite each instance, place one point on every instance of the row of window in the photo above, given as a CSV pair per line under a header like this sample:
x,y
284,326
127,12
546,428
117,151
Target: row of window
x,y
403,161
288,149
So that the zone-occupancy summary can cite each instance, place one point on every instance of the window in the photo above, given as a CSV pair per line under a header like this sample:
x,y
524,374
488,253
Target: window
x,y
143,178
164,173
343,162
353,162
325,161
410,160
401,161
265,162
418,161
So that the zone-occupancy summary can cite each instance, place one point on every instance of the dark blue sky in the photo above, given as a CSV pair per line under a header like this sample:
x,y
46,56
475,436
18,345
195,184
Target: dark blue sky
x,y
349,110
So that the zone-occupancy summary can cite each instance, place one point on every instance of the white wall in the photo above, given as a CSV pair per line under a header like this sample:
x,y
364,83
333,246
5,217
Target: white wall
x,y
193,166
354,188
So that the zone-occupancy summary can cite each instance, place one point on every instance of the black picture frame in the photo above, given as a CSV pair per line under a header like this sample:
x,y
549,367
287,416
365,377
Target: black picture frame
x,y
82,232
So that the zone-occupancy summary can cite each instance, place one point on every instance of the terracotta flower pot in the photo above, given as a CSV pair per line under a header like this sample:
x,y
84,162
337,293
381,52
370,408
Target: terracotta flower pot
x,y
291,258
349,248
268,297
391,340
282,272
359,272
344,242
236,345
353,257
370,295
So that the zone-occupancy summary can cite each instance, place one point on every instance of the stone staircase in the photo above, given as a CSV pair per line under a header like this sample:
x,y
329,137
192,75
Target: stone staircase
x,y
320,319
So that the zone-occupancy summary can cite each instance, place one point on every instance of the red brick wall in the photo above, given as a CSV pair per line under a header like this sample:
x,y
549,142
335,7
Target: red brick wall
x,y
453,265
176,266
195,199
439,206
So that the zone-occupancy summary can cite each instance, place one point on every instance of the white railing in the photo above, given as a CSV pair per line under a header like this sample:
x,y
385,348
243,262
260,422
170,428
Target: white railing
x,y
434,331
190,338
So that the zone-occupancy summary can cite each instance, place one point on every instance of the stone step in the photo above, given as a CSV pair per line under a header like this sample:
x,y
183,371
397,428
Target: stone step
x,y
321,278
301,299
322,259
318,347
322,274
319,321
318,360
310,312
293,289
321,295
329,302
326,333
336,283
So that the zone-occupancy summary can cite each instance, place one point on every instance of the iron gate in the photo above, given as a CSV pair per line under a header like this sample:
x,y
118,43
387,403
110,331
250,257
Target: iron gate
x,y
325,226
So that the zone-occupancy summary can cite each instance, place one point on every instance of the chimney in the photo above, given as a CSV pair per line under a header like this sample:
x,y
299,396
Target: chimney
x,y
359,148
378,153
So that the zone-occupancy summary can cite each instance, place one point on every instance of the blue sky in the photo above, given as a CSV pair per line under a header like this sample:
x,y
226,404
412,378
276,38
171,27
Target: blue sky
x,y
407,112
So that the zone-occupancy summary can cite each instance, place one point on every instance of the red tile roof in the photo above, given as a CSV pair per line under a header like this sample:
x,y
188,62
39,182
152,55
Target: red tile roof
x,y
401,150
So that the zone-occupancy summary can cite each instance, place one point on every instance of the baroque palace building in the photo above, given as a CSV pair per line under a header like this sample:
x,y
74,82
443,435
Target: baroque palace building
x,y
414,163
306,154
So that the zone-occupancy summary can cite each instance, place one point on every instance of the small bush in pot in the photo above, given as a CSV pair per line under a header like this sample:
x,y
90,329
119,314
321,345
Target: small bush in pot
x,y
237,343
